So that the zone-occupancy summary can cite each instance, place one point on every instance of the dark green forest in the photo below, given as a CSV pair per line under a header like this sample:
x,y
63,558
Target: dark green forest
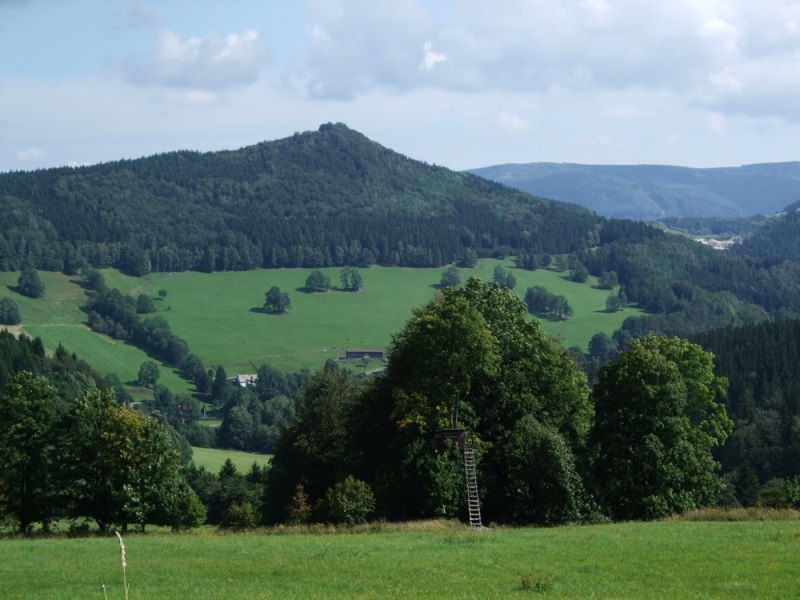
x,y
329,197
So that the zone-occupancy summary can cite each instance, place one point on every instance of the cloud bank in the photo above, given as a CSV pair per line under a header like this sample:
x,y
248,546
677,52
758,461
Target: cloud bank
x,y
207,63
726,55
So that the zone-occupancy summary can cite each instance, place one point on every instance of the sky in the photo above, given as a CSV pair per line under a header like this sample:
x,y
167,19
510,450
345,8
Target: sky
x,y
457,83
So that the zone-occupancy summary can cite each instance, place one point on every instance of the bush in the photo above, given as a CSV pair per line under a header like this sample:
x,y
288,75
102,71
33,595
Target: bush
x,y
778,493
239,516
145,305
350,502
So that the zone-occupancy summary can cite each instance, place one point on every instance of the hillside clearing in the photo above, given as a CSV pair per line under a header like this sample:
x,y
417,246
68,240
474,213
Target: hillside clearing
x,y
219,315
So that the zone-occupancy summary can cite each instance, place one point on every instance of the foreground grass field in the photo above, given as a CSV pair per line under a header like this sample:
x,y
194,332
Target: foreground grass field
x,y
219,315
672,559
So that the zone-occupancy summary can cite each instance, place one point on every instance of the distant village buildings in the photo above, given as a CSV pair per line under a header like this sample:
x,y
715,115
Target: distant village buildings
x,y
721,244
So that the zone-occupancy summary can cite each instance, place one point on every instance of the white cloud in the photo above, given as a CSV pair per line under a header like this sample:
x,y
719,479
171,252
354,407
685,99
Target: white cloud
x,y
208,63
512,122
431,58
698,49
31,154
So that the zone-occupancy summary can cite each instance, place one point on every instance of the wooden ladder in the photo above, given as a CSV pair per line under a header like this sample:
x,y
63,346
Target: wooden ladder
x,y
473,500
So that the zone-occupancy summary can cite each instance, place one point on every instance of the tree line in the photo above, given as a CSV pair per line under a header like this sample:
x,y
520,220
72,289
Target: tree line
x,y
760,362
112,313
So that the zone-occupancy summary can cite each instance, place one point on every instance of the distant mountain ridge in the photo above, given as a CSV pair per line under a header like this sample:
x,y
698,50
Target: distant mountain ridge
x,y
650,192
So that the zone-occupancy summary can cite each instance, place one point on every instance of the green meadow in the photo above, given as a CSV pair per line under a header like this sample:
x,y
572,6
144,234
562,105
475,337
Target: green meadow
x,y
219,315
213,459
667,559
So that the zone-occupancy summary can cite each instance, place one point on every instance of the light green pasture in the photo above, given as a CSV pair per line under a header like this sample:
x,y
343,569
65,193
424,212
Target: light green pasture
x,y
220,316
213,459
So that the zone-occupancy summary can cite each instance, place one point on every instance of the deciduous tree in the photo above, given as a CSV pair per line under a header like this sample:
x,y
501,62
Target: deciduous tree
x,y
30,283
318,282
350,279
470,358
148,374
27,454
450,278
658,416
9,312
145,305
277,301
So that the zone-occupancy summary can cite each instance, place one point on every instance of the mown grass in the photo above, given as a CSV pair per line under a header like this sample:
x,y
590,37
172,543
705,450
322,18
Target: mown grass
x,y
220,316
58,319
213,459
670,559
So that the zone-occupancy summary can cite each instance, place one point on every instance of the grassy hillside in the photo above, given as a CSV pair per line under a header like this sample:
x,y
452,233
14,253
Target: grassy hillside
x,y
219,315
57,318
674,559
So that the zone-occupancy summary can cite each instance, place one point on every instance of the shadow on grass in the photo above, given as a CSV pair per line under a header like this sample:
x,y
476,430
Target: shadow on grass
x,y
263,311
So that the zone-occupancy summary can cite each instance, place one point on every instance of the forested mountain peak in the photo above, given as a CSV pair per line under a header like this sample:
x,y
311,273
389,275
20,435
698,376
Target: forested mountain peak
x,y
298,201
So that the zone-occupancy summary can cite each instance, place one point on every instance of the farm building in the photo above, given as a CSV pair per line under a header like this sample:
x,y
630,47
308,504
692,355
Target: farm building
x,y
359,353
243,380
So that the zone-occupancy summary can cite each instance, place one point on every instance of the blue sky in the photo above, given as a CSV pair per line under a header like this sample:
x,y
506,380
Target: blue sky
x,y
460,83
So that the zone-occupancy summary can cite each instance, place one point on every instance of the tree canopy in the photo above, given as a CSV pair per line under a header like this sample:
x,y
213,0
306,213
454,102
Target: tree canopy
x,y
9,312
658,416
276,301
317,281
30,282
469,359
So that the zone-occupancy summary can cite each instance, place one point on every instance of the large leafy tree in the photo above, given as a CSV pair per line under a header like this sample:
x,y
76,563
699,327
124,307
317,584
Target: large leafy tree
x,y
657,419
30,283
119,466
471,359
28,409
351,279
314,450
276,301
148,374
92,474
317,281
